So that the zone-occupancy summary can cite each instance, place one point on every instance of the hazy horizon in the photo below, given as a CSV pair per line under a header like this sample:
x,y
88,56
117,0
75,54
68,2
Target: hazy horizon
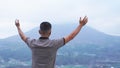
x,y
54,25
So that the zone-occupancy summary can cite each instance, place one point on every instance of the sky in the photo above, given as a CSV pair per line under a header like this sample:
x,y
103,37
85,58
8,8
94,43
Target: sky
x,y
103,15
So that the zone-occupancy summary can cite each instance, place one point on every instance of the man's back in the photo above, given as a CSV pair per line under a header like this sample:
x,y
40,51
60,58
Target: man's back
x,y
44,51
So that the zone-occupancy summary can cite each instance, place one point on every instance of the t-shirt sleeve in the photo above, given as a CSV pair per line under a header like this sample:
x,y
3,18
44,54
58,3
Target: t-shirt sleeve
x,y
59,42
29,41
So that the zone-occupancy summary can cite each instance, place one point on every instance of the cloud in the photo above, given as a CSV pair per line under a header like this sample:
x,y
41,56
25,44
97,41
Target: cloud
x,y
103,14
8,28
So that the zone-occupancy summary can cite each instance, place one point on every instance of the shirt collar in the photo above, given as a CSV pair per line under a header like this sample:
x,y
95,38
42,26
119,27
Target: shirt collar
x,y
43,38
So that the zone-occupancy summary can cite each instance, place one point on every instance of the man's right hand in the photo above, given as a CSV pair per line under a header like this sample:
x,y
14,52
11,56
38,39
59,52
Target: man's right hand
x,y
83,21
17,23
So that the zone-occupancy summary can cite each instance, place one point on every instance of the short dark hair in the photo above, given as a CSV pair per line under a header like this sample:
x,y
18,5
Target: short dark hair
x,y
45,26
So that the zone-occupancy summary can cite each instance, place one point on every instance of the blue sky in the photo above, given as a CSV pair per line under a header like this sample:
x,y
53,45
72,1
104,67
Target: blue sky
x,y
103,14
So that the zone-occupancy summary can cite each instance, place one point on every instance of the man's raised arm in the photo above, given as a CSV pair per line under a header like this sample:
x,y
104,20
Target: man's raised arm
x,y
82,22
22,35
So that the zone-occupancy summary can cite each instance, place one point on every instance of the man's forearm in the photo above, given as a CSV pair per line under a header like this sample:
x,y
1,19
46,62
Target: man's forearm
x,y
22,35
77,30
73,34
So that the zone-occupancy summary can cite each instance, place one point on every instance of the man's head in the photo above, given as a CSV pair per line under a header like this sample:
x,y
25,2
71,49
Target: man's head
x,y
45,29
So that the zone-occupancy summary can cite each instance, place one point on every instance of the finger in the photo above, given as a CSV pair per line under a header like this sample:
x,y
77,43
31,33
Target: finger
x,y
84,18
87,19
16,21
80,19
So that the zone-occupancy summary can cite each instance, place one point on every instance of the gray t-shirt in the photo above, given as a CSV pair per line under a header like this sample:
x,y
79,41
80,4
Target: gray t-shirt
x,y
44,51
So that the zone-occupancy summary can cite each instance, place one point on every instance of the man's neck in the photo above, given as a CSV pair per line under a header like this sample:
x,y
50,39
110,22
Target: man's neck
x,y
45,36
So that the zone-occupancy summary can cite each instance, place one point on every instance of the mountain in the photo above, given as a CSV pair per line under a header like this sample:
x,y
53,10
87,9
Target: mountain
x,y
90,45
87,34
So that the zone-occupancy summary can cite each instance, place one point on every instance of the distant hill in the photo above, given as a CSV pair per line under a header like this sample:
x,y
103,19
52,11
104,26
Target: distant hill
x,y
87,34
89,46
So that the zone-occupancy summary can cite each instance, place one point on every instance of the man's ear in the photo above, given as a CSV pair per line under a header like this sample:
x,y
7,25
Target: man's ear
x,y
49,33
40,32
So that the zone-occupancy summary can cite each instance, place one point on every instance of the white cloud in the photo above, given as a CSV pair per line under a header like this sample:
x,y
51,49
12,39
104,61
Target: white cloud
x,y
103,15
8,27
